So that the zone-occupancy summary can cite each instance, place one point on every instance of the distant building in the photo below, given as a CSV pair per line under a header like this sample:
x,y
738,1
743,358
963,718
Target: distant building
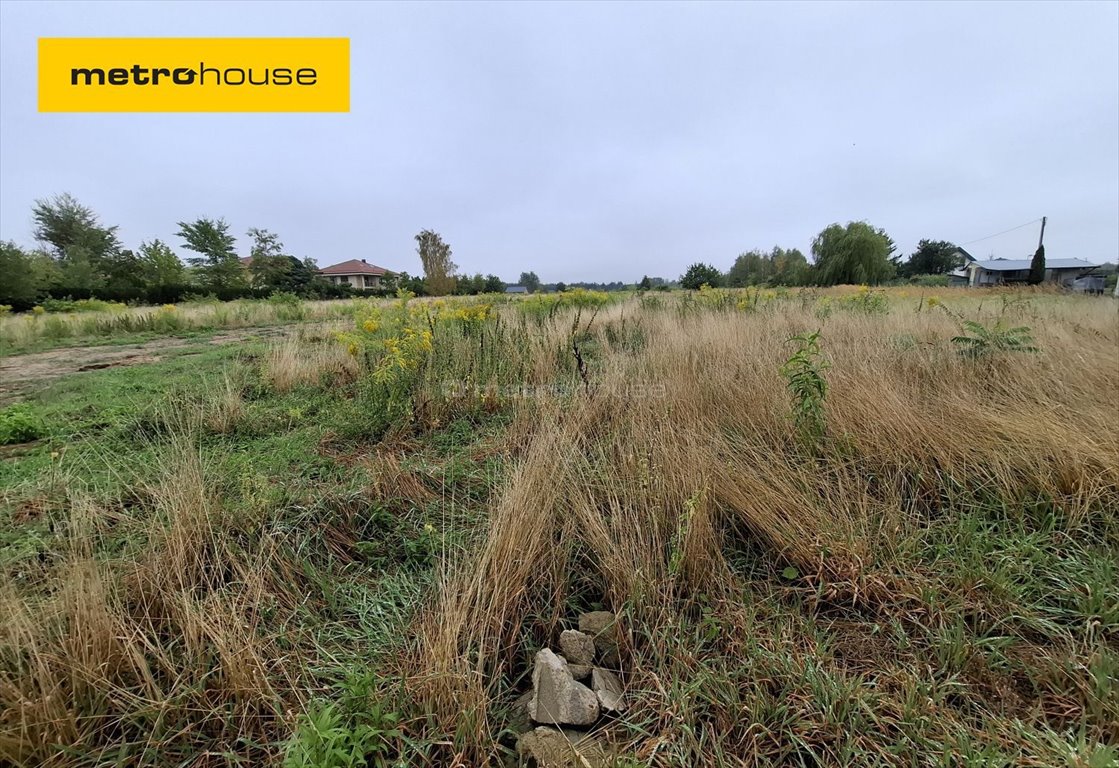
x,y
516,289
1073,274
1090,284
357,273
960,276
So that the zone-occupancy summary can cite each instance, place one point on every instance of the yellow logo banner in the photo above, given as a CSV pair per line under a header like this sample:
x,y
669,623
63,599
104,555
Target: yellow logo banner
x,y
194,74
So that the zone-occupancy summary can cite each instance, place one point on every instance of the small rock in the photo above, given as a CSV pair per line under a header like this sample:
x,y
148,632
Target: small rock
x,y
577,647
550,748
557,698
602,626
608,688
580,671
519,721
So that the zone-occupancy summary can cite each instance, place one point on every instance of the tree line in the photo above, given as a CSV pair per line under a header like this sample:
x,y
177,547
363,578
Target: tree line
x,y
858,253
78,257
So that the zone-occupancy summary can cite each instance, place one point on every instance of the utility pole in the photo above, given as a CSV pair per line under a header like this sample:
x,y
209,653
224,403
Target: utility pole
x,y
1042,236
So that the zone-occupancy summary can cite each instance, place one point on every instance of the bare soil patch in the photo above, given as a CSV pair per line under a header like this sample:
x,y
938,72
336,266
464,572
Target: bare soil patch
x,y
22,373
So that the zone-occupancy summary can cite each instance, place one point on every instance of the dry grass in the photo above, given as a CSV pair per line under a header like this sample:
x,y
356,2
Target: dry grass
x,y
294,363
668,485
643,502
135,658
26,330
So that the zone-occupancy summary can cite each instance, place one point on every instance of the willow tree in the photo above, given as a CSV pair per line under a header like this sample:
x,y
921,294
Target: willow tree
x,y
855,254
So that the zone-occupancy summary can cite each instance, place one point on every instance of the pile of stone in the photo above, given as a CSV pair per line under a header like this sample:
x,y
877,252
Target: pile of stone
x,y
573,688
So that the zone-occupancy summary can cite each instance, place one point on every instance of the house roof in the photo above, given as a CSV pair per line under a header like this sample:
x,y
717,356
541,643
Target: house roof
x,y
967,256
516,289
354,267
246,261
1013,265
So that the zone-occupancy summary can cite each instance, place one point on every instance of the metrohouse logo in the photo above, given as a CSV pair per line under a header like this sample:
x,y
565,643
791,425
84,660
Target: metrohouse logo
x,y
138,75
194,74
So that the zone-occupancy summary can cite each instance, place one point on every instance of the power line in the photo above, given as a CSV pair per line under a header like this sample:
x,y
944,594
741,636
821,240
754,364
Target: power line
x,y
988,237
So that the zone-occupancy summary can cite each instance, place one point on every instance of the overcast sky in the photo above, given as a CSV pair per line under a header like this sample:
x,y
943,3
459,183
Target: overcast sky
x,y
605,141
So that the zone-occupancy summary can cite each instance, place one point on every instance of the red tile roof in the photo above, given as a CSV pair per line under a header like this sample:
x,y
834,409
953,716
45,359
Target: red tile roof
x,y
353,267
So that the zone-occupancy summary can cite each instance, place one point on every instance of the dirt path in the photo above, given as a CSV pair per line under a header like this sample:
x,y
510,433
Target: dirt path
x,y
22,373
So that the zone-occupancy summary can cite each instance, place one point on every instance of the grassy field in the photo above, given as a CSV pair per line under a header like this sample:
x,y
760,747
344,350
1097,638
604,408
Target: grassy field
x,y
892,543
32,331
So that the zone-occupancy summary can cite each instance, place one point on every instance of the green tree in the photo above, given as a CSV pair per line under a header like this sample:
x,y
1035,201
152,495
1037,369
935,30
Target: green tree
x,y
790,267
160,266
471,285
699,274
778,267
1037,267
561,287
416,285
932,257
439,270
272,269
27,275
124,276
856,254
494,284
750,268
216,265
82,246
530,281
646,284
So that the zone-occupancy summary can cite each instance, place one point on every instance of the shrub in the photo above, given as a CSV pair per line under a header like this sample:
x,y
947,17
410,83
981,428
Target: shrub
x,y
19,424
715,298
81,305
803,374
700,274
979,340
357,730
866,301
289,307
327,738
55,327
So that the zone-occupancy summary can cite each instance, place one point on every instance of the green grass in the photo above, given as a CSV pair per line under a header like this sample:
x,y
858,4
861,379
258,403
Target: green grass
x,y
8,349
289,468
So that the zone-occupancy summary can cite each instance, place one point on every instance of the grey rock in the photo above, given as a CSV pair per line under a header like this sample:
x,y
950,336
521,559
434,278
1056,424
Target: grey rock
x,y
519,721
550,748
602,626
580,671
577,647
557,698
608,688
